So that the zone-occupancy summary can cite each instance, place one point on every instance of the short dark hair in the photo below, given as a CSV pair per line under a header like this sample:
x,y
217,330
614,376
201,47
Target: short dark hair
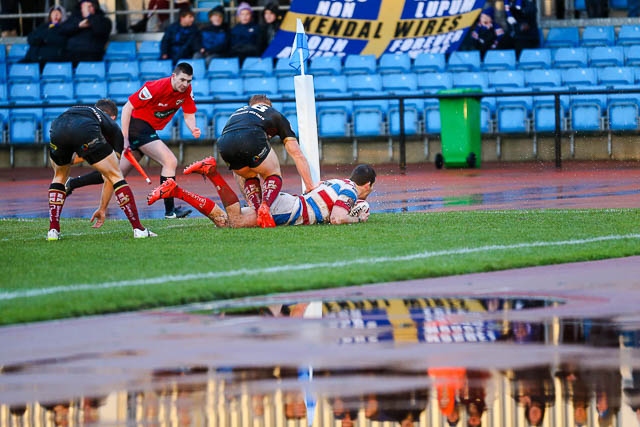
x,y
186,12
108,106
183,67
260,98
363,174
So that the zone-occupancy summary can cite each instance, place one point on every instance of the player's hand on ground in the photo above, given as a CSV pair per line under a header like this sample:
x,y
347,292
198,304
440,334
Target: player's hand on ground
x,y
97,219
196,132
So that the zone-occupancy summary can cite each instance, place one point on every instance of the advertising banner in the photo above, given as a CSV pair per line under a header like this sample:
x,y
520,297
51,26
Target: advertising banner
x,y
342,27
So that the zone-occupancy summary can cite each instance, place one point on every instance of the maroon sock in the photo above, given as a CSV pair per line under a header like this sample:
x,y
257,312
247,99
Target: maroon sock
x,y
202,204
253,193
127,203
227,196
271,188
57,196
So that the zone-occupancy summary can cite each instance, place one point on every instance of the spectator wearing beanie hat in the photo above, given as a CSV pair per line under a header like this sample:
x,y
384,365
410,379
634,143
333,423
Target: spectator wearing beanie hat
x,y
487,34
271,21
245,34
215,36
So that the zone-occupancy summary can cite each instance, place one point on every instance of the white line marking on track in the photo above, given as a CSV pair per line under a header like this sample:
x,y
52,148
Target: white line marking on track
x,y
4,296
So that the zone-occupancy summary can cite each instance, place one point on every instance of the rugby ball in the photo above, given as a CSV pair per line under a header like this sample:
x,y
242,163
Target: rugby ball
x,y
361,206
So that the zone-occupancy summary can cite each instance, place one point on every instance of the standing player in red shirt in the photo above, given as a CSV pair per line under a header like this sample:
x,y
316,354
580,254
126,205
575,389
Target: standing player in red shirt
x,y
148,110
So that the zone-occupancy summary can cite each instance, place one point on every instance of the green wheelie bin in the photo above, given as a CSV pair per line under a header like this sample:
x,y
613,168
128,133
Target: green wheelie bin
x,y
460,130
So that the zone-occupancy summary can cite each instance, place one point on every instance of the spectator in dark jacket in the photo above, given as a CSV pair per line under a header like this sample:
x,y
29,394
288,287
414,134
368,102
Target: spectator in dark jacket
x,y
522,23
46,43
88,31
182,39
245,34
271,20
215,36
487,34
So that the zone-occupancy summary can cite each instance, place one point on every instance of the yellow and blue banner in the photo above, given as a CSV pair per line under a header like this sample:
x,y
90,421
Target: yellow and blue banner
x,y
345,27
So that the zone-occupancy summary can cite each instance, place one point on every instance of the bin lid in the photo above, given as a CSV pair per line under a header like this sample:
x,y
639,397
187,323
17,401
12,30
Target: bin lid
x,y
459,90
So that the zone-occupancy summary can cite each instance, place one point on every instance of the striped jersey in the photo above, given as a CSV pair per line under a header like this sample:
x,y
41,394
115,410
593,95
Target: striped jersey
x,y
314,207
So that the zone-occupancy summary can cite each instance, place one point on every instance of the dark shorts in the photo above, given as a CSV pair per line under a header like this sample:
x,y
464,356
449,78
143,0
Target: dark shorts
x,y
72,135
243,148
141,133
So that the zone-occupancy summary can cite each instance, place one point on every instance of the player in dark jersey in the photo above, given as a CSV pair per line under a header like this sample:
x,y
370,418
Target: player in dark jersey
x,y
90,133
244,146
333,201
148,110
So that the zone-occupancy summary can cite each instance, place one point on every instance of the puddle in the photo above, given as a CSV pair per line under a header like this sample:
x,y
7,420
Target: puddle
x,y
358,362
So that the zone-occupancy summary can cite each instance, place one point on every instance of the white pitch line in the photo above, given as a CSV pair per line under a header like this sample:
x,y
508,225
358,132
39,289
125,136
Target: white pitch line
x,y
5,296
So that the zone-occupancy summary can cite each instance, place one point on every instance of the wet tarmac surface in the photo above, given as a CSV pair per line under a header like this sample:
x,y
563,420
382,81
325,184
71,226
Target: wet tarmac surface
x,y
551,346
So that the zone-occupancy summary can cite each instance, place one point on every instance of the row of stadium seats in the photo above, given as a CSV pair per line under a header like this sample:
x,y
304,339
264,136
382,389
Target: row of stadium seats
x,y
524,112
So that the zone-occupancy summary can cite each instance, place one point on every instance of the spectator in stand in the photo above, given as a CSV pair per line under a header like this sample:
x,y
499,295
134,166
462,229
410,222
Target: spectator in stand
x,y
522,23
15,27
245,34
215,36
271,21
46,43
88,31
597,8
182,39
487,34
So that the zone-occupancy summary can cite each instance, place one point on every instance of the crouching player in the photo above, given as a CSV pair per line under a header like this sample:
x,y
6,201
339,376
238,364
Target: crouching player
x,y
329,203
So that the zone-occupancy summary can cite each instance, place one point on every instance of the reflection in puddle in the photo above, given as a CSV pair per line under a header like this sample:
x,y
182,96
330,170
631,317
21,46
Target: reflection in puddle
x,y
557,372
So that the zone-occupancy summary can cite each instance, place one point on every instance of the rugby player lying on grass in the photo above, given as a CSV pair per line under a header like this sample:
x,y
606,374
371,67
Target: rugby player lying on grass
x,y
334,201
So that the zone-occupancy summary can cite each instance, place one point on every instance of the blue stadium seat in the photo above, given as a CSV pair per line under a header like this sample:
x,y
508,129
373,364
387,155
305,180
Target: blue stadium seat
x,y
513,113
153,69
412,114
544,114
148,49
3,55
426,62
579,76
221,113
431,114
543,78
282,68
226,88
202,122
90,71
330,84
290,112
398,82
4,95
58,93
616,76
632,56
123,71
119,91
471,79
3,71
24,93
501,79
606,56
619,4
24,125
598,35
394,63
90,92
325,65
169,131
333,116
256,85
23,73
224,67
433,82
534,58
57,72
16,52
496,59
360,64
570,57
202,16
199,67
464,61
623,110
629,34
369,116
200,89
364,83
121,51
558,37
256,67
286,87
586,110
4,120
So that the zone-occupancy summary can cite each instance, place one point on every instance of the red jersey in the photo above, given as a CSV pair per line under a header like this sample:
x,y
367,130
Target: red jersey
x,y
156,102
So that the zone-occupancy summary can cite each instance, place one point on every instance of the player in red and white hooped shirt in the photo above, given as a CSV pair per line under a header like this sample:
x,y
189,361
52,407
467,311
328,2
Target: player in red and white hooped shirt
x,y
331,202
149,110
